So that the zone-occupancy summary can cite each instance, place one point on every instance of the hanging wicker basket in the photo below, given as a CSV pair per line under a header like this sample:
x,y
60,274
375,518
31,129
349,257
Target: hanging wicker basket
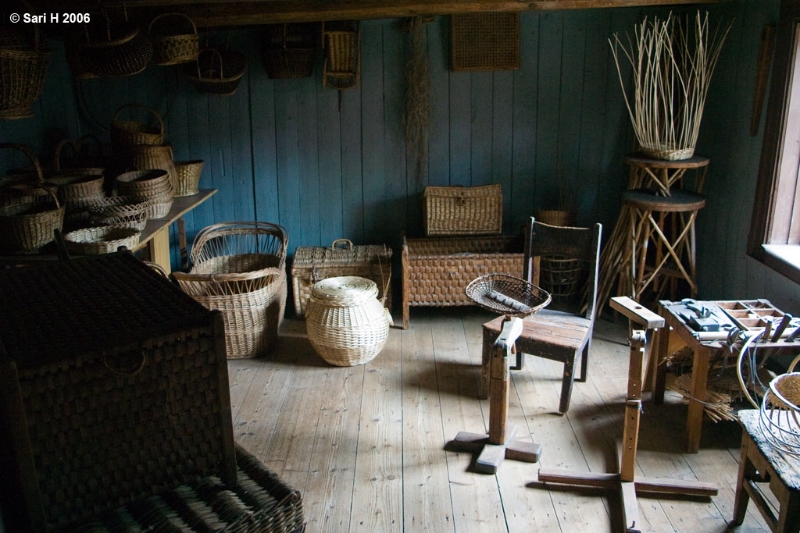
x,y
216,72
289,51
22,72
115,50
342,68
174,38
127,133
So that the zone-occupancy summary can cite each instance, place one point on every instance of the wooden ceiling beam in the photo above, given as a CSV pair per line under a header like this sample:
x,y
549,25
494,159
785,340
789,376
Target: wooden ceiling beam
x,y
217,13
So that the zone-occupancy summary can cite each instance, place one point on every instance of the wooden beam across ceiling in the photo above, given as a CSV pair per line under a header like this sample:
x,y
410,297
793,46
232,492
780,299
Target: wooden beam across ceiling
x,y
216,13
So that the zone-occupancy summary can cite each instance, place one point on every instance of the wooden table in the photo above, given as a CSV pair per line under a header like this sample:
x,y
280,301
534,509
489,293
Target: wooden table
x,y
153,242
705,346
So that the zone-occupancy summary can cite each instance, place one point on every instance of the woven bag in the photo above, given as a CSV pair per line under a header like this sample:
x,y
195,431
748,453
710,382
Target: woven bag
x,y
216,72
22,71
174,38
115,50
127,133
28,221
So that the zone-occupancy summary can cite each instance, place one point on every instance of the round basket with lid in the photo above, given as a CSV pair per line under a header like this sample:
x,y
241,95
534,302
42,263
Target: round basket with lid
x,y
347,324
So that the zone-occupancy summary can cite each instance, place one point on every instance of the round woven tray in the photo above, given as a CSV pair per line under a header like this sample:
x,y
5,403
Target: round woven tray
x,y
101,240
119,211
507,295
346,323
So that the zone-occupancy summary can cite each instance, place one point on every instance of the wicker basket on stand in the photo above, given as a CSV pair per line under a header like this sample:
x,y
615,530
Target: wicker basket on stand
x,y
175,39
346,323
23,66
239,268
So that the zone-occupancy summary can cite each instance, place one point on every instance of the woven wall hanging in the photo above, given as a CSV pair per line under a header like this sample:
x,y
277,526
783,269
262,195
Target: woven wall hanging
x,y
485,41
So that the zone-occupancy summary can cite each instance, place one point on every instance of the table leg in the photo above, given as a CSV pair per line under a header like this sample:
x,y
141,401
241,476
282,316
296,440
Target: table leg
x,y
694,420
158,249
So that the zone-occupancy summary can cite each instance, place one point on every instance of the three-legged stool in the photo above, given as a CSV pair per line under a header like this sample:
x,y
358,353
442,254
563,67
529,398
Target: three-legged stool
x,y
760,462
665,224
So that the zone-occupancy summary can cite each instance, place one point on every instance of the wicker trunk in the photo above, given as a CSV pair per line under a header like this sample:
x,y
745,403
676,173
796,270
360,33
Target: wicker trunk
x,y
436,270
315,263
113,387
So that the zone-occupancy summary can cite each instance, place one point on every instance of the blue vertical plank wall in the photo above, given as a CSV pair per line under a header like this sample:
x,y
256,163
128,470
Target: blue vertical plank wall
x,y
326,165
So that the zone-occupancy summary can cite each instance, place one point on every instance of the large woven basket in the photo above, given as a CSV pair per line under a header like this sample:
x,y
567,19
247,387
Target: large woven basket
x,y
119,49
463,210
216,72
174,38
346,323
239,268
188,177
101,240
127,133
22,71
153,156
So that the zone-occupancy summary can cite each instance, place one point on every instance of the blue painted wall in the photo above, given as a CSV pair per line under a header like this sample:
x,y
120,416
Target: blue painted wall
x,y
289,151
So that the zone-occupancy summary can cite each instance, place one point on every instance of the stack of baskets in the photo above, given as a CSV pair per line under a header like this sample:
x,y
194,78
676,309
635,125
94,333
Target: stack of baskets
x,y
152,186
239,268
29,211
23,65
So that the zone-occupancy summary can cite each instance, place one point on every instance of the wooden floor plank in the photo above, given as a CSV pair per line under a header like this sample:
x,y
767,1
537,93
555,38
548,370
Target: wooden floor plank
x,y
365,444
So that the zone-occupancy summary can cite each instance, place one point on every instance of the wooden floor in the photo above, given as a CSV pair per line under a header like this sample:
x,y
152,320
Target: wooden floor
x,y
365,445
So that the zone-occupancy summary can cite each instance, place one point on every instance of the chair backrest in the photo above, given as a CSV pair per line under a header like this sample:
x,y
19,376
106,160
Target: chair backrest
x,y
582,244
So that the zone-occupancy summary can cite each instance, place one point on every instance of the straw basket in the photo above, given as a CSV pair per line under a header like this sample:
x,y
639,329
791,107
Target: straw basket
x,y
216,72
174,38
463,210
153,186
152,156
239,268
507,295
779,415
126,133
115,50
22,71
120,211
289,51
101,240
29,218
346,323
188,177
342,67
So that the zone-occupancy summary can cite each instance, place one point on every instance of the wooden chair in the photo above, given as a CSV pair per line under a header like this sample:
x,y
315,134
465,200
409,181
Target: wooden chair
x,y
554,335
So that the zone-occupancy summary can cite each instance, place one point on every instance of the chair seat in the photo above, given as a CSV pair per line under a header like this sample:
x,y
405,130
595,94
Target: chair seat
x,y
564,333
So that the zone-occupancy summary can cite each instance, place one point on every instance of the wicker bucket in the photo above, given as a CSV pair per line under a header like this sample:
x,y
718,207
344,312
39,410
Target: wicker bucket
x,y
174,38
240,270
23,67
216,72
127,133
346,323
188,177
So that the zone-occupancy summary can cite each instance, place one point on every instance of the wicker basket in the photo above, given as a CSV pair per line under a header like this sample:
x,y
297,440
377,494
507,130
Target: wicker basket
x,y
101,240
260,503
507,295
315,263
175,39
127,133
341,41
485,41
115,50
28,219
188,177
150,157
120,211
346,323
152,186
779,414
216,72
23,67
289,51
239,268
463,210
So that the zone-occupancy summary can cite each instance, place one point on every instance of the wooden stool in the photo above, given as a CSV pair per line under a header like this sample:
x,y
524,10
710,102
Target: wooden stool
x,y
666,223
666,176
761,463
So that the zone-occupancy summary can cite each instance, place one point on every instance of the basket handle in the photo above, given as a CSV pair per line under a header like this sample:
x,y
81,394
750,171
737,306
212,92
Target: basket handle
x,y
28,152
140,106
175,14
131,370
211,70
347,242
60,146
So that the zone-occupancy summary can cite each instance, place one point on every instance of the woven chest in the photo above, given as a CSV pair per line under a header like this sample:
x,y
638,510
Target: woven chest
x,y
436,270
113,387
463,210
315,263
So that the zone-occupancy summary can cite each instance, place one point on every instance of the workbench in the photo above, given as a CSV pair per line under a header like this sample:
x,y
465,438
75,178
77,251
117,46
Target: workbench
x,y
749,315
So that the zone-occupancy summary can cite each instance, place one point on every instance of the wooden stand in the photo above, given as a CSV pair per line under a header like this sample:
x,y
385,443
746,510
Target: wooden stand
x,y
499,444
625,480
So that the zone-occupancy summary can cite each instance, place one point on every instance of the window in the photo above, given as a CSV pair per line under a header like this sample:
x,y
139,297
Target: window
x,y
775,226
